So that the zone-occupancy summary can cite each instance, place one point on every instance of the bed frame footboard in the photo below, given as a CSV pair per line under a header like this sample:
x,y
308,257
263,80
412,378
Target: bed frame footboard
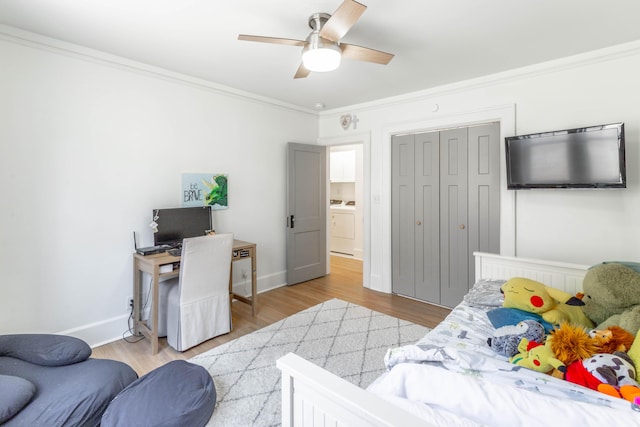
x,y
313,397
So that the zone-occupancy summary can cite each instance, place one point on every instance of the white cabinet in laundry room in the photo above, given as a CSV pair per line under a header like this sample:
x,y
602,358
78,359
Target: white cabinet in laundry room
x,y
342,231
342,166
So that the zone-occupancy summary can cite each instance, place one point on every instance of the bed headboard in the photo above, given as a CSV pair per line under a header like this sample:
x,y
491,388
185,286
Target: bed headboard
x,y
560,275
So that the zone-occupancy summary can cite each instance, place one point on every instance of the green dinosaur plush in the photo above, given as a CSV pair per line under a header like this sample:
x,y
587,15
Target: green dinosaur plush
x,y
536,356
612,296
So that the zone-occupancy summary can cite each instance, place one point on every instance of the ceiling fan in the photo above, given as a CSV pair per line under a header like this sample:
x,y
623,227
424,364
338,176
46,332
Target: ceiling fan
x,y
322,50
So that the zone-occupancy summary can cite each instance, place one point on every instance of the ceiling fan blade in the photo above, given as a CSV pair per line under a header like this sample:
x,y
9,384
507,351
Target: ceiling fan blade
x,y
359,53
302,72
274,40
342,20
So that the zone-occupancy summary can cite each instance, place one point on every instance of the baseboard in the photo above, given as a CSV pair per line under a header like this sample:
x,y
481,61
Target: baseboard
x,y
265,283
103,332
115,328
376,283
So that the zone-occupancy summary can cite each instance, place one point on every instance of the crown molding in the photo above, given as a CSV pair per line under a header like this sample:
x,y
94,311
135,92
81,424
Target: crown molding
x,y
542,68
37,41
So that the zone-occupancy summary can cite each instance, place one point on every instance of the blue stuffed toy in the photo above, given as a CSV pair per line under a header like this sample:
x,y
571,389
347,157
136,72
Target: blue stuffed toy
x,y
505,340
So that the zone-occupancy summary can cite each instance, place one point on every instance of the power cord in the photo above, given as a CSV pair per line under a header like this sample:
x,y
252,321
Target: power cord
x,y
139,337
126,338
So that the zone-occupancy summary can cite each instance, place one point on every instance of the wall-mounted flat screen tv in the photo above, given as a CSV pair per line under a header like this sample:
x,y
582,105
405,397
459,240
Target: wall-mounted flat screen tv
x,y
588,157
176,224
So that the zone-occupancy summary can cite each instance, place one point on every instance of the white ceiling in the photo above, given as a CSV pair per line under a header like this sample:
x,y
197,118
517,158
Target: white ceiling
x,y
434,41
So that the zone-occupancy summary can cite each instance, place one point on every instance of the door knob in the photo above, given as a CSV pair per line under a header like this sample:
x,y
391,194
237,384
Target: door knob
x,y
419,222
461,226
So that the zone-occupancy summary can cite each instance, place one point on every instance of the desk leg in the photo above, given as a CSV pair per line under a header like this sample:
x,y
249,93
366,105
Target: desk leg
x,y
254,285
155,297
231,294
136,298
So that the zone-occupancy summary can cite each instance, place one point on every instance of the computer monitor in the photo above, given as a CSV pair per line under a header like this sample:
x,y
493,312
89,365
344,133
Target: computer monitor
x,y
179,223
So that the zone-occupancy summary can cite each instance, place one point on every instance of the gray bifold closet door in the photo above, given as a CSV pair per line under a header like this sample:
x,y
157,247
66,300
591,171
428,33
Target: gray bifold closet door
x,y
445,204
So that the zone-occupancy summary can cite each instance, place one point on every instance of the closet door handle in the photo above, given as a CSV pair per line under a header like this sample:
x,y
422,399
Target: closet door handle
x,y
292,221
418,222
462,227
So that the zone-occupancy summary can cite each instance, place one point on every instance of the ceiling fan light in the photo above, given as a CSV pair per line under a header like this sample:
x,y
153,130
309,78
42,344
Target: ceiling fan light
x,y
321,59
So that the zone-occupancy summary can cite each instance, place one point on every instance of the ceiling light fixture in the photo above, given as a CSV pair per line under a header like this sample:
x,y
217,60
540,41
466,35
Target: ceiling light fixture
x,y
320,54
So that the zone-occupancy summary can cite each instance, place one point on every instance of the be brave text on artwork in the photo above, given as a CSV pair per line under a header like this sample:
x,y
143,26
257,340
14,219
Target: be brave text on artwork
x,y
193,194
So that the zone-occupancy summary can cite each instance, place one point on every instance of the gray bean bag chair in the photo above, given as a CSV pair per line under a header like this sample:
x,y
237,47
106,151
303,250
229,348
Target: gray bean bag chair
x,y
49,380
176,394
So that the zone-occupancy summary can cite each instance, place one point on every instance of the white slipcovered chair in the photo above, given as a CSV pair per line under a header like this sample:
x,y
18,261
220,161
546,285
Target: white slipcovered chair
x,y
198,302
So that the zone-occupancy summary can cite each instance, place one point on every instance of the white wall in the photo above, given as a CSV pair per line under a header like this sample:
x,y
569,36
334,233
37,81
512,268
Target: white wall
x,y
90,145
586,226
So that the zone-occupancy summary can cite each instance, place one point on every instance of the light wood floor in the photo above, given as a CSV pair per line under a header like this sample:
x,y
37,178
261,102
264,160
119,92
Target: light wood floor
x,y
344,282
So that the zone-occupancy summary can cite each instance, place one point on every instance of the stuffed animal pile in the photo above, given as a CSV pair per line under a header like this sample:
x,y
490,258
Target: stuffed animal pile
x,y
603,358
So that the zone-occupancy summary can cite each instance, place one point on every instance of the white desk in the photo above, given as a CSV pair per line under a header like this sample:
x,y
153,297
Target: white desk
x,y
151,264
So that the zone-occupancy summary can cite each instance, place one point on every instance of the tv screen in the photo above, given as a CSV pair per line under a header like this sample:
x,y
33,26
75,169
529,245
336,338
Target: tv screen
x,y
589,157
178,223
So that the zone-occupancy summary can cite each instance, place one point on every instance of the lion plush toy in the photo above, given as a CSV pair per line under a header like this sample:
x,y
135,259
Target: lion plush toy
x,y
614,338
555,306
612,296
571,343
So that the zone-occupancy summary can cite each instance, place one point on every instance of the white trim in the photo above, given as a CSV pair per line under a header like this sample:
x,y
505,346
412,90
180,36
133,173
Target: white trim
x,y
26,38
542,68
102,332
37,41
506,115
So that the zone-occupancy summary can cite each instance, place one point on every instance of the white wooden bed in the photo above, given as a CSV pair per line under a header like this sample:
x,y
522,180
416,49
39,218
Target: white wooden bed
x,y
314,397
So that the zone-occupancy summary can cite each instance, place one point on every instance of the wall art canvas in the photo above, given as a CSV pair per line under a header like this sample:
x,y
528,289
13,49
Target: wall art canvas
x,y
205,189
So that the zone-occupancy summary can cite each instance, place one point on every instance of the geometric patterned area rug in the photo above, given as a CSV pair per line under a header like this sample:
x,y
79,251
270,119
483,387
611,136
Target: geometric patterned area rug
x,y
343,338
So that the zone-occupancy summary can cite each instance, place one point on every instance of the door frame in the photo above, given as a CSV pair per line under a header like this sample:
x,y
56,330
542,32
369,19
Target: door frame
x,y
364,139
505,116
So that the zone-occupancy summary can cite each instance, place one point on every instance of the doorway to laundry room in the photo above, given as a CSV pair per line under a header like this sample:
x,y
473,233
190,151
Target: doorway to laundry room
x,y
346,203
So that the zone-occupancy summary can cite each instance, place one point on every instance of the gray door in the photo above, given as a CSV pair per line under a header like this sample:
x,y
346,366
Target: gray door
x,y
403,218
445,205
415,217
454,242
484,192
306,212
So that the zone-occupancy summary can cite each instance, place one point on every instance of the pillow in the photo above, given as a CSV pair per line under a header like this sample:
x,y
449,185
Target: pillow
x,y
500,317
635,266
485,293
45,349
15,393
